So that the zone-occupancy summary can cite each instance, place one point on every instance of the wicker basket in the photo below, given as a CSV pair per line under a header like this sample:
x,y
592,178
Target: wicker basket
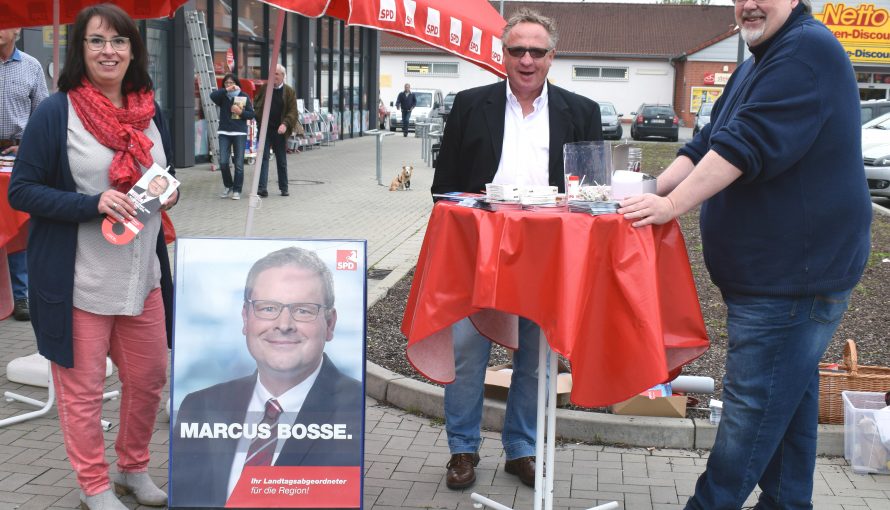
x,y
834,379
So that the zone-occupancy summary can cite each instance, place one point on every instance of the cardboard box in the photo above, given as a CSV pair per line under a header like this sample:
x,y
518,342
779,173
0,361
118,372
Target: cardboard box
x,y
668,407
497,383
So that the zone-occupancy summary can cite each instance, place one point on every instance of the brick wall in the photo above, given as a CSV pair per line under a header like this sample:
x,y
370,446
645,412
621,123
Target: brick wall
x,y
692,74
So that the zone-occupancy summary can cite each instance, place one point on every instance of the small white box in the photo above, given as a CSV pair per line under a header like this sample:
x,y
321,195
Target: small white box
x,y
502,191
862,442
628,184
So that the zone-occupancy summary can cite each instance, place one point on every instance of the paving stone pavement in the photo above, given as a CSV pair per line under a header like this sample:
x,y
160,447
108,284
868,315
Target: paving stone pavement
x,y
334,194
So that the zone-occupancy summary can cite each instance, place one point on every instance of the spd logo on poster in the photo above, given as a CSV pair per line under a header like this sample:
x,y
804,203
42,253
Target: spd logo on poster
x,y
410,9
497,50
347,260
456,26
432,22
387,10
476,41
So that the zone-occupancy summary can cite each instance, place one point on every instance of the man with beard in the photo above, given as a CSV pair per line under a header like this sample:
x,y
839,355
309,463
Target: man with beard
x,y
785,222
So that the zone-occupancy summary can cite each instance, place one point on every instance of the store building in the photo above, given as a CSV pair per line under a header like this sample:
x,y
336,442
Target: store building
x,y
629,54
323,57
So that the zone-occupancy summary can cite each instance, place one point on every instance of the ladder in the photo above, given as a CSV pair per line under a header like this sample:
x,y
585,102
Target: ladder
x,y
200,43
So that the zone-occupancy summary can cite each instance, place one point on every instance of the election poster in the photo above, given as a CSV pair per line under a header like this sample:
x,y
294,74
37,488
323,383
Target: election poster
x,y
267,392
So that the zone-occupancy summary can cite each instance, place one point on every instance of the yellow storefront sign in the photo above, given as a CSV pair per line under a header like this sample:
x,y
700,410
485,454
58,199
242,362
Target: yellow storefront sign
x,y
701,95
862,29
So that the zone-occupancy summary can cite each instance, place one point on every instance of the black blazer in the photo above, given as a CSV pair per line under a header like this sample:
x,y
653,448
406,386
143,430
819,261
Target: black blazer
x,y
199,468
474,135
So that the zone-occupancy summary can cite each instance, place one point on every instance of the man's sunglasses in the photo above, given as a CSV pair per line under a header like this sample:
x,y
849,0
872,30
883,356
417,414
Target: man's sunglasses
x,y
520,51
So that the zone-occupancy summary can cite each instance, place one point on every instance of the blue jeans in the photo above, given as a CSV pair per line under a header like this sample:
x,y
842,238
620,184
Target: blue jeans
x,y
406,118
463,397
18,273
278,144
232,147
767,432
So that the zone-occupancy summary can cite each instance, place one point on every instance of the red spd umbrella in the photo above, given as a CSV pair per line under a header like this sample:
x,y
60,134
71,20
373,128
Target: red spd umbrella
x,y
470,29
38,13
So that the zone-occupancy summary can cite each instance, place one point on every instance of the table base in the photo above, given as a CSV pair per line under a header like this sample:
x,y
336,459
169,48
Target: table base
x,y
45,406
545,438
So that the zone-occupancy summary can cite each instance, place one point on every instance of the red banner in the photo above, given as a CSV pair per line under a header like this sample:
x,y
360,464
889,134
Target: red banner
x,y
39,13
298,487
470,29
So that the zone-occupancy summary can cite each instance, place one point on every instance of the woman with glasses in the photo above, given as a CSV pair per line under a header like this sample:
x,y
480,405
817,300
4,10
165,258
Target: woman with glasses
x,y
83,149
234,112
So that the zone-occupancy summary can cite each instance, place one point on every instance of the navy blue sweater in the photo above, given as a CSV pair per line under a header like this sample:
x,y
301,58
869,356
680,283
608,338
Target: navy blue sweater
x,y
43,186
797,221
226,122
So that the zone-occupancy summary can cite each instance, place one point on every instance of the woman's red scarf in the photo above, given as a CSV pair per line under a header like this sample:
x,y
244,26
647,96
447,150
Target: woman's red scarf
x,y
119,129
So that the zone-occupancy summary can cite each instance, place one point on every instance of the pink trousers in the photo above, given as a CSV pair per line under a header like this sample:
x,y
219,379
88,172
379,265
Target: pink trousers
x,y
138,347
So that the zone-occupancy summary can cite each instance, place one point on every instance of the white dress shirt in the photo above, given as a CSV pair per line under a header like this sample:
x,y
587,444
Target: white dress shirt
x,y
525,158
291,402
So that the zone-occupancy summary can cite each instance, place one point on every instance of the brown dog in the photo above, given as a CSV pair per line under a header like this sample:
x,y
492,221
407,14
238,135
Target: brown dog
x,y
402,181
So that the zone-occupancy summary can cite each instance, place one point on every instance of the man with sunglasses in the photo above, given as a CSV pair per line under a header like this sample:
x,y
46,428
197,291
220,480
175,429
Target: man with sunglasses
x,y
288,316
511,132
785,218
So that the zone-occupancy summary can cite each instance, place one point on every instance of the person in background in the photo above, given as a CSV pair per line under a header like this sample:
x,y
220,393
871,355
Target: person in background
x,y
511,132
405,102
283,120
83,149
784,135
23,89
235,109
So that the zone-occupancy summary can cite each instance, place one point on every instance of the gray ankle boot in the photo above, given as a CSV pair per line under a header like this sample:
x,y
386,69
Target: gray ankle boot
x,y
105,500
141,486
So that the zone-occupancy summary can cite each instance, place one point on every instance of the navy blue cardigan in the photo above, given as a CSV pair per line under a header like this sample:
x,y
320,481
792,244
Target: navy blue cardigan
x,y
226,122
797,221
42,185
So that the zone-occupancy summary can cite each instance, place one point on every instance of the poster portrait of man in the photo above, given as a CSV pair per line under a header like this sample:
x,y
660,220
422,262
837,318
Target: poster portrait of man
x,y
267,401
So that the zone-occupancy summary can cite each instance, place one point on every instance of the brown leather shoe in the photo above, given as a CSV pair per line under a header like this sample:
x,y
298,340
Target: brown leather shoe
x,y
524,468
460,470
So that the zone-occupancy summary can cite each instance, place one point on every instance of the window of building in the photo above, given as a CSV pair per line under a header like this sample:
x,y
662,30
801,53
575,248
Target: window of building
x,y
417,68
599,73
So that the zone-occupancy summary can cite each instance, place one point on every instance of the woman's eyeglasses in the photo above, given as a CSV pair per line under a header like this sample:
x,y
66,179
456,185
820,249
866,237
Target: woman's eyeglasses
x,y
117,43
520,51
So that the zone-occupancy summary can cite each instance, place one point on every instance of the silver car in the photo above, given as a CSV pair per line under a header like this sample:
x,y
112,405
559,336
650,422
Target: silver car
x,y
876,155
877,170
702,117
611,121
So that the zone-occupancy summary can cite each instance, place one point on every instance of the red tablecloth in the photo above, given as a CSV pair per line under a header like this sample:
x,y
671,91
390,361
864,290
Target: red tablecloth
x,y
13,224
13,238
619,302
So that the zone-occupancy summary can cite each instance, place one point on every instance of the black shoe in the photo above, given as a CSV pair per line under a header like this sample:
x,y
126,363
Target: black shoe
x,y
285,193
20,312
263,193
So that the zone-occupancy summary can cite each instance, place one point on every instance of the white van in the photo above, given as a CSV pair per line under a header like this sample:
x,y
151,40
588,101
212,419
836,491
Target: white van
x,y
428,103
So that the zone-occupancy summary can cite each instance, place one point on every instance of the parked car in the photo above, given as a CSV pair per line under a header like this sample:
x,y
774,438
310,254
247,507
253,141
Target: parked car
x,y
611,121
702,117
428,101
876,155
445,109
874,108
655,120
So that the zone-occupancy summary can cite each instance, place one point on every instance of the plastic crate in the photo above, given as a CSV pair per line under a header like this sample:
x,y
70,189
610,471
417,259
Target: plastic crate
x,y
862,443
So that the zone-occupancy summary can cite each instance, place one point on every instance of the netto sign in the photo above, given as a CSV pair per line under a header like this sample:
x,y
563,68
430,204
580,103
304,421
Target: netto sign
x,y
863,29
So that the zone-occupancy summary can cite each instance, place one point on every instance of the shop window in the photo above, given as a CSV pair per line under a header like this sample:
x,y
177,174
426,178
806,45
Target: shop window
x,y
417,68
599,73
